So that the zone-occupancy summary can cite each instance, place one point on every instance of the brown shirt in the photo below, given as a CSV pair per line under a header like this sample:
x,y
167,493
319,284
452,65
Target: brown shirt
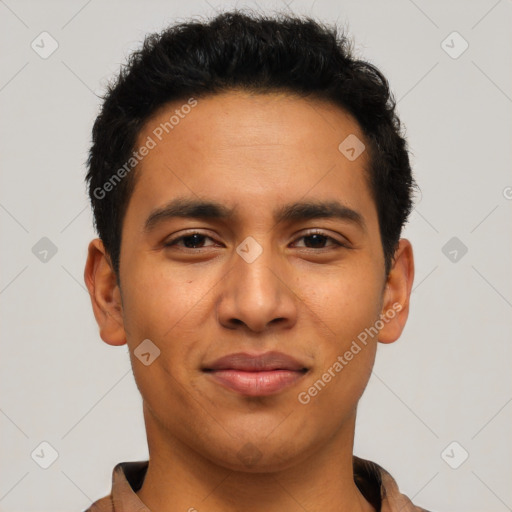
x,y
374,482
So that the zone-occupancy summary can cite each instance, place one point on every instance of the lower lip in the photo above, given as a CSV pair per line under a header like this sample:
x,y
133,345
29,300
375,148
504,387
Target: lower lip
x,y
256,383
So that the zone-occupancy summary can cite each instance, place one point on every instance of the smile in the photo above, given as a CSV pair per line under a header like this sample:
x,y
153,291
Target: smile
x,y
256,375
259,383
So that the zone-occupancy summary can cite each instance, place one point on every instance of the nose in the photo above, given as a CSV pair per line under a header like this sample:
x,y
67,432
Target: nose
x,y
255,296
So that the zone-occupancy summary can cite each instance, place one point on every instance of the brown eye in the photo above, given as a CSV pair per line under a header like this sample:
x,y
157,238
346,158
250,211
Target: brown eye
x,y
194,241
191,241
317,241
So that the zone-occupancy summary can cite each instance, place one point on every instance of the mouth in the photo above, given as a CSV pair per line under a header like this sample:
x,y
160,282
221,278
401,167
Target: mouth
x,y
256,375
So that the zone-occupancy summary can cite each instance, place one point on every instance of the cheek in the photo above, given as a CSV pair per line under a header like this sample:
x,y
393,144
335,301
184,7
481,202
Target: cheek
x,y
334,391
168,308
159,300
344,309
159,306
344,303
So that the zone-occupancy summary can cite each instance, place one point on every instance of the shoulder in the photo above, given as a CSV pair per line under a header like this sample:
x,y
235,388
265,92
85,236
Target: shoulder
x,y
380,488
103,505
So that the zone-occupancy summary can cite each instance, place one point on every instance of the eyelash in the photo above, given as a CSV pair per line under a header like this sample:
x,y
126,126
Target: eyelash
x,y
336,243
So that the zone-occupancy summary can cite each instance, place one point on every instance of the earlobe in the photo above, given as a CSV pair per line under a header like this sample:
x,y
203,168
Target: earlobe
x,y
105,294
397,293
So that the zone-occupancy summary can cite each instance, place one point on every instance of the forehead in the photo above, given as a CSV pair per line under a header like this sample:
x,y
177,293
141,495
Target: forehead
x,y
240,119
236,147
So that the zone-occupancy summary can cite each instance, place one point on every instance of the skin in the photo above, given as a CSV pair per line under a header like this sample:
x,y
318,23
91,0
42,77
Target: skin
x,y
254,153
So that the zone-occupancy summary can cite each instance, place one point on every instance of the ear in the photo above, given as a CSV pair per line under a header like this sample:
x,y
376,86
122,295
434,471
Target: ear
x,y
397,292
101,281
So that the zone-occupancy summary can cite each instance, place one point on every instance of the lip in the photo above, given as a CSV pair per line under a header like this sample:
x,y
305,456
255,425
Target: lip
x,y
256,374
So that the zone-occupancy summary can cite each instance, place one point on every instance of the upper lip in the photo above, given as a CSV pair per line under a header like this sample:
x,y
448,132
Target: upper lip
x,y
256,362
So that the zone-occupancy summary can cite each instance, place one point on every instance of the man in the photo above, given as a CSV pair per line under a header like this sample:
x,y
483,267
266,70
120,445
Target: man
x,y
249,183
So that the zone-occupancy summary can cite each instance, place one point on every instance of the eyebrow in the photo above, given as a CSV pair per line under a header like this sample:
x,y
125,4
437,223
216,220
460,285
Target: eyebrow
x,y
294,212
319,209
193,208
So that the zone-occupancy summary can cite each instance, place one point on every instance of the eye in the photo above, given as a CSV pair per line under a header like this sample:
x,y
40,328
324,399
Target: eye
x,y
318,240
190,241
313,240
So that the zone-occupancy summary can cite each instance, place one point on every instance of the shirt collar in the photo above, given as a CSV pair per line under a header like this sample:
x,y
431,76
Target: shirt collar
x,y
374,482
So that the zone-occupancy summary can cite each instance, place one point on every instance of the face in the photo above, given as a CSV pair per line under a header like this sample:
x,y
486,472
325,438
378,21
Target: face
x,y
251,259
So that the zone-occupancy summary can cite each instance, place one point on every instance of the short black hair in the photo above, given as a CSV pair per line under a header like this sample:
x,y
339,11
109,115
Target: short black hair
x,y
260,54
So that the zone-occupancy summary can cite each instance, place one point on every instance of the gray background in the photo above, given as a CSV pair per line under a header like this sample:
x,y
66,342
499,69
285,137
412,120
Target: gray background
x,y
447,379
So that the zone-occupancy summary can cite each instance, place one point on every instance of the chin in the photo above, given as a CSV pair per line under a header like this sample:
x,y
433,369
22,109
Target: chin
x,y
256,456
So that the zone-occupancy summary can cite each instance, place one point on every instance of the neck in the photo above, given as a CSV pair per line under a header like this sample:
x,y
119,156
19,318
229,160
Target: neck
x,y
180,479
